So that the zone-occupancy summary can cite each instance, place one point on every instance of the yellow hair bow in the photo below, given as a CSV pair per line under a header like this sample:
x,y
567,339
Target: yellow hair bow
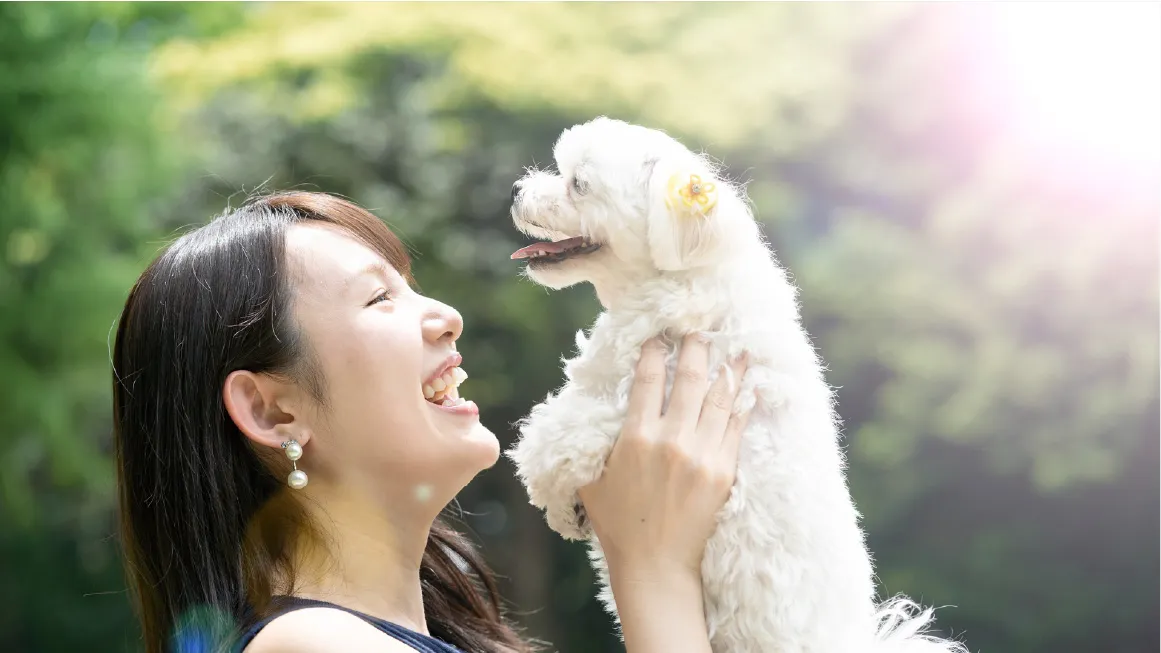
x,y
690,190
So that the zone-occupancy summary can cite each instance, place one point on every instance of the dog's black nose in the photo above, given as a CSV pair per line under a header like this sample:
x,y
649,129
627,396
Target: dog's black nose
x,y
515,191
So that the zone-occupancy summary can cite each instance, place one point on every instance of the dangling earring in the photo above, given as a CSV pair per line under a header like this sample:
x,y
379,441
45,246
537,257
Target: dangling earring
x,y
297,478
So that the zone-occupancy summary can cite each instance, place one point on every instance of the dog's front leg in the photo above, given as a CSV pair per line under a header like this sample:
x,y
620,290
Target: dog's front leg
x,y
563,445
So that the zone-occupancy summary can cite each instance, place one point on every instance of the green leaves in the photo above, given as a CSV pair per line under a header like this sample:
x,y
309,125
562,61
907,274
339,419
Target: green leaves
x,y
84,161
657,63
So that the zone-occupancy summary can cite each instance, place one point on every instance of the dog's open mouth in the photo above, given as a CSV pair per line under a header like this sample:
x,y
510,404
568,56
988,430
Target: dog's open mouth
x,y
554,252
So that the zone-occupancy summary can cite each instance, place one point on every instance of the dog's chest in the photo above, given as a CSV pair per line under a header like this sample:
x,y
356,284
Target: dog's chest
x,y
607,358
603,364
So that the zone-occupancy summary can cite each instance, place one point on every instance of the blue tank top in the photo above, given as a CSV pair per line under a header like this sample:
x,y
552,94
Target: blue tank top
x,y
418,641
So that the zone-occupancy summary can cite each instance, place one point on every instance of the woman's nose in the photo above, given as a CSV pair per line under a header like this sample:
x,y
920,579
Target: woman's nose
x,y
443,323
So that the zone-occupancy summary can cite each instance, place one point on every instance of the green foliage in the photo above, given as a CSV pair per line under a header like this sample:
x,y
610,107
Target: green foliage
x,y
657,62
83,160
86,161
990,319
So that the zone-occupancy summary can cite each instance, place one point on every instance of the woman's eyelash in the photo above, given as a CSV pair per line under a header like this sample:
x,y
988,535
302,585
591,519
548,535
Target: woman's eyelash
x,y
382,296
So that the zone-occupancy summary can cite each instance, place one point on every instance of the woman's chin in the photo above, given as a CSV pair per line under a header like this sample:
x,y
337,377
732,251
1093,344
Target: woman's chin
x,y
485,443
473,443
442,471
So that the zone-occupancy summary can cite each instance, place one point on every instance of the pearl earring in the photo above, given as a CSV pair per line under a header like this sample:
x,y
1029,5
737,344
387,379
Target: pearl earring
x,y
297,478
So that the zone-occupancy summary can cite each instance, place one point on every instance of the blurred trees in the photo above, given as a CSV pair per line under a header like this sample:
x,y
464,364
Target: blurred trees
x,y
86,160
991,322
991,319
82,159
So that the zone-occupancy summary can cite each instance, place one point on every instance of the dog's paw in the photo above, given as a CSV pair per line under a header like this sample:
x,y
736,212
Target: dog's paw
x,y
737,499
582,517
764,388
571,523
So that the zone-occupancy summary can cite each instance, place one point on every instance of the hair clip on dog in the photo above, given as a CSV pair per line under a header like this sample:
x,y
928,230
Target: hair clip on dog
x,y
690,190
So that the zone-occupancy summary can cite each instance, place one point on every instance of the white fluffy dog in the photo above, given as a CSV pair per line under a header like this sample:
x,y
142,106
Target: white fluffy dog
x,y
672,248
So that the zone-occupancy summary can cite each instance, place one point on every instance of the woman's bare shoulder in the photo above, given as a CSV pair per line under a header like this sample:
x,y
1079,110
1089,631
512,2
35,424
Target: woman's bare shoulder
x,y
323,630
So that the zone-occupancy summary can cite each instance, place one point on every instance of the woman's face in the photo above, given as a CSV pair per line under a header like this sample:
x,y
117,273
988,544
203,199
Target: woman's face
x,y
377,343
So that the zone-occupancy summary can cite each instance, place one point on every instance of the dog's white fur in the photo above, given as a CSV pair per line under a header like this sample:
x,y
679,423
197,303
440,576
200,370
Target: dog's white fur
x,y
786,570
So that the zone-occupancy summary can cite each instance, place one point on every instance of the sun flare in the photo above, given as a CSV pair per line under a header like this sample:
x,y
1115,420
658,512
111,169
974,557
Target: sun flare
x,y
1080,78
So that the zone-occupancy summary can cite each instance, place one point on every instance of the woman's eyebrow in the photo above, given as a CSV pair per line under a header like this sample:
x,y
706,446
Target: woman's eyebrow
x,y
376,268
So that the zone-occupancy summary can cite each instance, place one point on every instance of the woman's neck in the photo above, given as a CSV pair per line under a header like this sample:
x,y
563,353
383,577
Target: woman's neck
x,y
369,560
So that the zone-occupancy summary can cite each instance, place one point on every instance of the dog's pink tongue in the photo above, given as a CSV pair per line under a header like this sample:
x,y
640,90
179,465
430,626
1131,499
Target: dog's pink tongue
x,y
537,249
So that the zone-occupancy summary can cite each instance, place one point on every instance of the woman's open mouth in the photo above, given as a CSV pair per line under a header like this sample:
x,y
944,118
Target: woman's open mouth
x,y
555,252
443,393
443,390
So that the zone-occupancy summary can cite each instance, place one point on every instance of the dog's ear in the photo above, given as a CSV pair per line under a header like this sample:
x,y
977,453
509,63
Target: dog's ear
x,y
684,220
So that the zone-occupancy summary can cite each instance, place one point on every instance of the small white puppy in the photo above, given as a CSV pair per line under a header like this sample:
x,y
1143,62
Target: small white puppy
x,y
672,248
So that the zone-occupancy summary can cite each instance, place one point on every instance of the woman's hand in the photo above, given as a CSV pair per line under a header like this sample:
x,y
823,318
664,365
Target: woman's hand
x,y
654,507
668,475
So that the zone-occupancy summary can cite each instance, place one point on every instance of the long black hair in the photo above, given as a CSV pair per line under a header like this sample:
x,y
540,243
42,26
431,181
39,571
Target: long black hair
x,y
207,522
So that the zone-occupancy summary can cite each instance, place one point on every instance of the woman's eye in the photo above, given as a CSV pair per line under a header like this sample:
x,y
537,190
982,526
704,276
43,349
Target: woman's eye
x,y
381,297
580,185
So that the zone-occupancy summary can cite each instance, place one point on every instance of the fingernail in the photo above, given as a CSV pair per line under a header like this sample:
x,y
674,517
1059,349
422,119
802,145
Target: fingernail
x,y
702,338
741,358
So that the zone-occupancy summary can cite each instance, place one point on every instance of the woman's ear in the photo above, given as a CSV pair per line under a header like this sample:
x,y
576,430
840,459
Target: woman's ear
x,y
260,407
684,220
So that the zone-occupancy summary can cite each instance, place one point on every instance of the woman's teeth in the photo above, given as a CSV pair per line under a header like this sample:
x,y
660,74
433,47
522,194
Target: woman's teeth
x,y
442,390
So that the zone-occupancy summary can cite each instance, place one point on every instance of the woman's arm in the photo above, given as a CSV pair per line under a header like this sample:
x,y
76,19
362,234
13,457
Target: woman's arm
x,y
662,614
654,506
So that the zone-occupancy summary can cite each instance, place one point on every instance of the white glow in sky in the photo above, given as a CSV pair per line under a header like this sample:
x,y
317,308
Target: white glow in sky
x,y
1081,79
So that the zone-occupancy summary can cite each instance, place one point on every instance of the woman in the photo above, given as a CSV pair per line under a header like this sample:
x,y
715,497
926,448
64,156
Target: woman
x,y
288,431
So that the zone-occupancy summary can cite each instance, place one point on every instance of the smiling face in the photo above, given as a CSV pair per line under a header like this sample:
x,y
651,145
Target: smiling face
x,y
614,211
380,347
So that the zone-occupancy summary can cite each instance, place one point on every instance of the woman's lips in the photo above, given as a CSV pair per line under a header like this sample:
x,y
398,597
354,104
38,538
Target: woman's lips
x,y
466,408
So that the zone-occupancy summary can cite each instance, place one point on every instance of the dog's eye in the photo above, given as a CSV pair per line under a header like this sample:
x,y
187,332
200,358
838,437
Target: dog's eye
x,y
580,185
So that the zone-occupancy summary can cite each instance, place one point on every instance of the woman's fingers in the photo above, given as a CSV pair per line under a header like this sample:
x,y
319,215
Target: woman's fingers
x,y
718,404
648,390
732,440
689,386
655,503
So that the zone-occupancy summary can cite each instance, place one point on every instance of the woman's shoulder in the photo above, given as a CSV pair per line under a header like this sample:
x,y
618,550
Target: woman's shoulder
x,y
318,629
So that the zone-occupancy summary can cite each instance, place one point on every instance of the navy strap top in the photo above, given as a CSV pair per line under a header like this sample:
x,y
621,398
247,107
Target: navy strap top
x,y
283,604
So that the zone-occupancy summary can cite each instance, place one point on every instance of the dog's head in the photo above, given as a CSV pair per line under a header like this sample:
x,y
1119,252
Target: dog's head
x,y
627,201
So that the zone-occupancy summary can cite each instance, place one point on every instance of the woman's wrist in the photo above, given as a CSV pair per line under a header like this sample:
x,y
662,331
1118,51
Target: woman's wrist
x,y
647,570
660,607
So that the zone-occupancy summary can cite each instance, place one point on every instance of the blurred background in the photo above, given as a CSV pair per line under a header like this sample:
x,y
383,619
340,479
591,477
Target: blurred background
x,y
967,195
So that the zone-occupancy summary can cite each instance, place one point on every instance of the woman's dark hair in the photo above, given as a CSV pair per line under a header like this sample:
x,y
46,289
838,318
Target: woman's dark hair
x,y
207,522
